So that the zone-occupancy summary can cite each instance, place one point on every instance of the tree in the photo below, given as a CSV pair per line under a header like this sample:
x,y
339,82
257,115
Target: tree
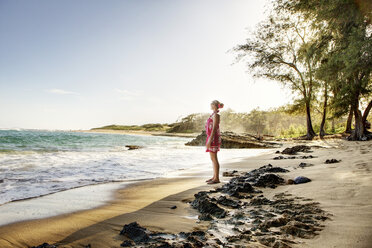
x,y
257,121
350,47
282,49
366,112
322,124
349,121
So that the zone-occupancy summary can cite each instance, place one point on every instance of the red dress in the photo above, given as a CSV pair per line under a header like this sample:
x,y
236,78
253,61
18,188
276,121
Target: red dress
x,y
216,141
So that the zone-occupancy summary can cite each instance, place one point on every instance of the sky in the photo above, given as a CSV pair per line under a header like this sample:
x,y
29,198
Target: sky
x,y
79,64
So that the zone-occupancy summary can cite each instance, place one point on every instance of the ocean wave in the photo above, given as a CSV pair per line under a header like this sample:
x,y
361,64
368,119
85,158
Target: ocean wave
x,y
36,163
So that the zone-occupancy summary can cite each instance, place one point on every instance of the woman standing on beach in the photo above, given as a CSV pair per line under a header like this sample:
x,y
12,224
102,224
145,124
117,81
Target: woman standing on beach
x,y
213,142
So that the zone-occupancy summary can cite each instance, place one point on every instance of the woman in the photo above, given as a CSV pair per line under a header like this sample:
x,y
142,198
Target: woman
x,y
213,141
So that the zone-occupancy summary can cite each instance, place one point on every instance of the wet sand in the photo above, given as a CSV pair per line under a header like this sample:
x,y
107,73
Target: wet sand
x,y
344,190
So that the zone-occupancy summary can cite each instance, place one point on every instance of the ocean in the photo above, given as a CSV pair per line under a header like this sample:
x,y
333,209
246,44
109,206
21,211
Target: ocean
x,y
35,163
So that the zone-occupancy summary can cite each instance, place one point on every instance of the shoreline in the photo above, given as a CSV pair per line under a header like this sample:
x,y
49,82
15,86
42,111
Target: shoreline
x,y
342,189
105,191
79,199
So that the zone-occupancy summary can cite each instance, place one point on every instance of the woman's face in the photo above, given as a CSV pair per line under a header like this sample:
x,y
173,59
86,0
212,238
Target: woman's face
x,y
213,107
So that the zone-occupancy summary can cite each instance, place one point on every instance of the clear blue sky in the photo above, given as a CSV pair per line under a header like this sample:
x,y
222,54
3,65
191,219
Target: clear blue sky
x,y
77,64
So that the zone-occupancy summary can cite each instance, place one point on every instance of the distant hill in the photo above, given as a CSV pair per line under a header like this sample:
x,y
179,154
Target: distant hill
x,y
145,127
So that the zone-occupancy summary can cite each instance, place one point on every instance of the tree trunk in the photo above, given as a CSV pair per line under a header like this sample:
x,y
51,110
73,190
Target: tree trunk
x,y
366,112
349,120
310,131
322,133
333,125
358,133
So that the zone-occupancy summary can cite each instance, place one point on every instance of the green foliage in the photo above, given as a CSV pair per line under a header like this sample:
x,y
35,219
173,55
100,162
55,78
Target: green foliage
x,y
276,122
345,51
145,127
284,48
189,124
256,122
293,131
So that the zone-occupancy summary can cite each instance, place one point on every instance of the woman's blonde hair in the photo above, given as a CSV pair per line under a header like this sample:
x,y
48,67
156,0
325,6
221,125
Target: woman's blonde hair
x,y
217,103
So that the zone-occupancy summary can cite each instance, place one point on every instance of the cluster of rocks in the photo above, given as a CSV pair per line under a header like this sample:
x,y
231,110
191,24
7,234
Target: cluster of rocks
x,y
139,236
233,140
274,223
47,245
133,147
293,157
295,149
239,214
303,165
332,161
207,207
298,180
230,173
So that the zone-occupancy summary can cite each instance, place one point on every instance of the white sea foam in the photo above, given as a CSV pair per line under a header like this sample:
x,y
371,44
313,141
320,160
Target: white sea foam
x,y
36,163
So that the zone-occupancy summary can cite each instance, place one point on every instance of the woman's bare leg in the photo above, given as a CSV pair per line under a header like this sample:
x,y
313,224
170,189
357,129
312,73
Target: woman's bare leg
x,y
211,179
216,167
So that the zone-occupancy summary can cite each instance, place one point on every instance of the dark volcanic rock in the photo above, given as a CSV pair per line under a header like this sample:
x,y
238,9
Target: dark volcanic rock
x,y
266,240
303,165
258,202
127,243
164,245
299,229
295,149
173,207
280,244
282,157
227,202
268,180
293,157
257,177
204,205
290,181
274,222
237,185
301,179
233,140
44,245
205,216
332,161
254,174
307,157
229,173
135,232
270,168
132,147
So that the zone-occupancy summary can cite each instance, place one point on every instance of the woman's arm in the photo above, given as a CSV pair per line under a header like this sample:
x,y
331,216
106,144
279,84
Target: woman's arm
x,y
216,120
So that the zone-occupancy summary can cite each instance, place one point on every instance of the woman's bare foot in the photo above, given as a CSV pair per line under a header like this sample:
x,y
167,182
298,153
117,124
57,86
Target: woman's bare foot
x,y
213,181
210,179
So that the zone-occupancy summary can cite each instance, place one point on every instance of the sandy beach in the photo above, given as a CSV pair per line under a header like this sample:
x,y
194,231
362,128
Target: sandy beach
x,y
342,189
113,113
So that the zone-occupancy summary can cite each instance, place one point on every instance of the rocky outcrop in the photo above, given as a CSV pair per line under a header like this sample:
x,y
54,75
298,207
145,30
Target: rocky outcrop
x,y
239,214
237,221
205,205
295,149
332,161
133,147
233,140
